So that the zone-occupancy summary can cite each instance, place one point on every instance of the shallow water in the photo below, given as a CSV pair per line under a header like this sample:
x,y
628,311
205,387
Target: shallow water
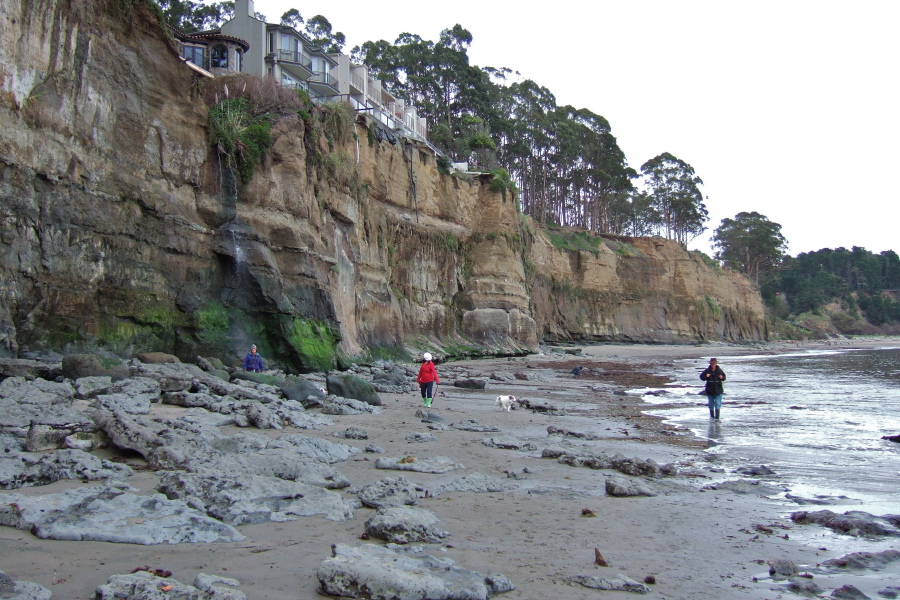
x,y
816,418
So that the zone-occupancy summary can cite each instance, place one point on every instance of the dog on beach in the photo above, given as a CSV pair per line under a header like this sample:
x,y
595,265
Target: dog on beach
x,y
506,402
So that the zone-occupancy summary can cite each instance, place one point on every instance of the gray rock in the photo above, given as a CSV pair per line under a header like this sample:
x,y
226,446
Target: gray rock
x,y
805,587
507,442
76,366
404,525
315,448
21,590
263,418
419,437
337,405
252,499
384,573
760,471
374,449
744,486
29,368
470,384
282,463
620,583
218,588
473,425
123,402
25,470
429,417
473,482
138,387
171,377
849,592
353,387
91,387
11,443
891,591
352,433
783,567
157,358
50,436
142,585
623,488
864,560
107,514
551,430
851,522
435,464
300,390
389,492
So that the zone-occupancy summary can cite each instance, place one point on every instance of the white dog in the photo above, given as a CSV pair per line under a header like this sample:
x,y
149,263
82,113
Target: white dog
x,y
506,402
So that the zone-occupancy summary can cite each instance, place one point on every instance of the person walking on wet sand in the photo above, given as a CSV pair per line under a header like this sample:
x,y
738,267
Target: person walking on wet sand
x,y
427,379
713,375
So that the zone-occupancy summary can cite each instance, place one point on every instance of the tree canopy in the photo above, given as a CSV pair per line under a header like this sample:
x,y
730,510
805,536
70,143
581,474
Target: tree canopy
x,y
750,243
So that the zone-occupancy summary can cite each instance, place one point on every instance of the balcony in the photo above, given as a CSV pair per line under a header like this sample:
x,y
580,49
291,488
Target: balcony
x,y
324,78
358,82
298,64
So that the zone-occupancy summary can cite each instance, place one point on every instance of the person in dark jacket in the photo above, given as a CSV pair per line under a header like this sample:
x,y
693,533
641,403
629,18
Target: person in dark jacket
x,y
427,379
253,361
713,375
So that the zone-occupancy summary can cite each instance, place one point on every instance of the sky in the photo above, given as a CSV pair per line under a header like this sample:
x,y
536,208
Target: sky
x,y
788,108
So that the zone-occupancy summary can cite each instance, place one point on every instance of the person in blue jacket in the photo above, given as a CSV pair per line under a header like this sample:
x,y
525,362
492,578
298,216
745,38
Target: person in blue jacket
x,y
253,361
713,375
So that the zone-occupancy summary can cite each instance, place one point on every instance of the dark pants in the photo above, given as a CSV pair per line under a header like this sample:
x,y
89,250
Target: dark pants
x,y
427,389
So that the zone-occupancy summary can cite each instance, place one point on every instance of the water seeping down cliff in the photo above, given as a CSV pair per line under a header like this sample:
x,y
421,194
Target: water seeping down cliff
x,y
118,229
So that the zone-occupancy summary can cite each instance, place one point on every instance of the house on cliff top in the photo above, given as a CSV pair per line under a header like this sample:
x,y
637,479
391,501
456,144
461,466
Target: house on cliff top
x,y
282,52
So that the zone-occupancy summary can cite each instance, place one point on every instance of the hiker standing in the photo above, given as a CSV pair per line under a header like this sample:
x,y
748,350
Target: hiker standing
x,y
713,375
427,379
253,361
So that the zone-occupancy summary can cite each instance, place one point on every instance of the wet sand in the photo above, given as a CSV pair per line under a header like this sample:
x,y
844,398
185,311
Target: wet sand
x,y
696,544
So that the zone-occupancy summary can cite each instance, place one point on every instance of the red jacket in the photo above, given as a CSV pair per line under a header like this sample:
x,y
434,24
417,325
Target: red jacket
x,y
427,373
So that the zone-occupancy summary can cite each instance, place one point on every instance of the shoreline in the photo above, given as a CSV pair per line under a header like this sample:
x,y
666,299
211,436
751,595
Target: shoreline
x,y
695,544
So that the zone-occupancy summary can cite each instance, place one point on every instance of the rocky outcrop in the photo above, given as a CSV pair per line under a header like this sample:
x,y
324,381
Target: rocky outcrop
x,y
119,229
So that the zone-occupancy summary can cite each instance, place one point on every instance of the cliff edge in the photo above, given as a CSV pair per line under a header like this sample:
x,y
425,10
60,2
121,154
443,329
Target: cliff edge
x,y
120,228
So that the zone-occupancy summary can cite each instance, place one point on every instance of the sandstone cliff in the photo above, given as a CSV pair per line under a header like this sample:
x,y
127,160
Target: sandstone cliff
x,y
116,231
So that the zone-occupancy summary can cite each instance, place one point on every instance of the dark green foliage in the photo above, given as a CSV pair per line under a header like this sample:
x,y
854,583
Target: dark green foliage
x,y
443,164
314,342
750,243
503,183
240,137
858,277
672,188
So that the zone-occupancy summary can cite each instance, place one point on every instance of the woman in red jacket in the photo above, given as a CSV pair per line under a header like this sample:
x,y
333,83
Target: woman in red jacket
x,y
427,378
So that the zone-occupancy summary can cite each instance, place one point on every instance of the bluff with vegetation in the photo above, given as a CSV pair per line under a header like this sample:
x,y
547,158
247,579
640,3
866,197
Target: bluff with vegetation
x,y
144,210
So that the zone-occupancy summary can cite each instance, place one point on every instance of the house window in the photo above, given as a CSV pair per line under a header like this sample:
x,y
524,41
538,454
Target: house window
x,y
271,43
219,57
194,54
238,60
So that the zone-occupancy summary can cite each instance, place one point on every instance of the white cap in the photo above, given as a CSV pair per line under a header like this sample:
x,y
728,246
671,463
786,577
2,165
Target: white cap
x,y
253,347
427,356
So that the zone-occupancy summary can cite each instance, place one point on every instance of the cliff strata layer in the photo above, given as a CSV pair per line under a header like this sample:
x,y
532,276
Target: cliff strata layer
x,y
118,231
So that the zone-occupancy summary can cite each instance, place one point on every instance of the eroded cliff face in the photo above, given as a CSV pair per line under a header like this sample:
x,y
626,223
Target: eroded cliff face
x,y
118,230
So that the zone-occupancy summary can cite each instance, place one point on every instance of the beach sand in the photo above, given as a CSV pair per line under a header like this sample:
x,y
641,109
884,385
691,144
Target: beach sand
x,y
696,544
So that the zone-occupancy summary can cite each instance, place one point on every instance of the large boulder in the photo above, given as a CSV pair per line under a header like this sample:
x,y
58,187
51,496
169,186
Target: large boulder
x,y
404,525
252,498
389,492
76,366
380,573
107,514
354,387
299,389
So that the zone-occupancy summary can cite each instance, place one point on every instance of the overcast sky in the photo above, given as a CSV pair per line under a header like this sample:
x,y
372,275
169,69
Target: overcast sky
x,y
786,108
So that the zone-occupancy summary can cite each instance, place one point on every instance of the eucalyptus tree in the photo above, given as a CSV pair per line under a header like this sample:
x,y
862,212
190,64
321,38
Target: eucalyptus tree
x,y
750,243
672,187
191,17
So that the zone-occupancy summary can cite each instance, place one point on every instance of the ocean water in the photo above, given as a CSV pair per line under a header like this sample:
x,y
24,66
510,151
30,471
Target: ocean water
x,y
816,418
